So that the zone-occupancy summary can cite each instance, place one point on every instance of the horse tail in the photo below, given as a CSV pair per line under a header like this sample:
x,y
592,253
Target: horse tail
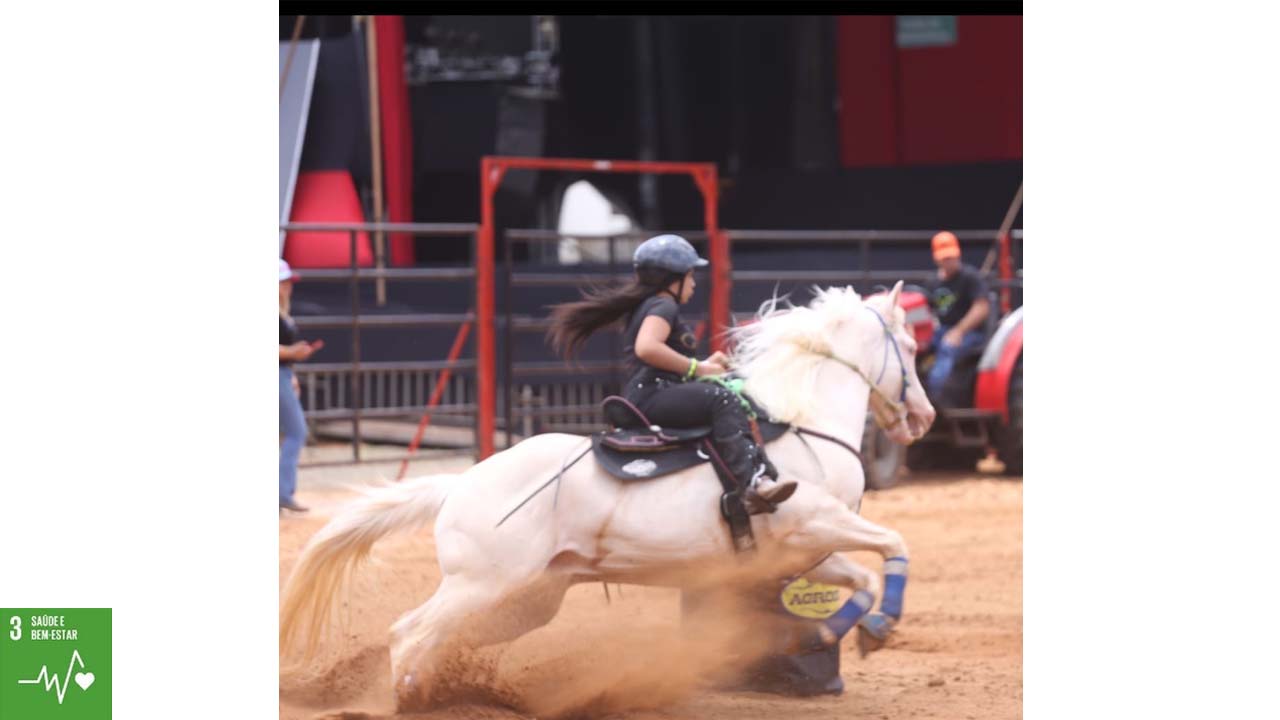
x,y
330,556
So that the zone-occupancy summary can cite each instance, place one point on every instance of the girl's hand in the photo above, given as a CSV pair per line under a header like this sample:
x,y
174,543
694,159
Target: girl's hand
x,y
709,367
718,358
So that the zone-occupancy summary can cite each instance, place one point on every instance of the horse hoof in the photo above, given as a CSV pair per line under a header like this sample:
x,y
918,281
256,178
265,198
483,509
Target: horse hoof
x,y
873,631
410,697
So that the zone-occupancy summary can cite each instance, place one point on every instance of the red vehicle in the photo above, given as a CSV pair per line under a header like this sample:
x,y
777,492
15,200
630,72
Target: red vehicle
x,y
981,409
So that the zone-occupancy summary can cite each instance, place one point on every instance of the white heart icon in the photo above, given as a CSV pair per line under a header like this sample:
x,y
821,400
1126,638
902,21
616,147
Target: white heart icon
x,y
84,680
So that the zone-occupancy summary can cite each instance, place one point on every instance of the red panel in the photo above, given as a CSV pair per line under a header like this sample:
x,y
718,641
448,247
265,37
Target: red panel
x,y
963,103
397,135
950,104
326,196
992,389
865,69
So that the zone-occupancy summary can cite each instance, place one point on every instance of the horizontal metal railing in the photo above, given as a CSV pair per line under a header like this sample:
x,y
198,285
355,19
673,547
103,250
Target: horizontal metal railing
x,y
391,320
346,275
876,236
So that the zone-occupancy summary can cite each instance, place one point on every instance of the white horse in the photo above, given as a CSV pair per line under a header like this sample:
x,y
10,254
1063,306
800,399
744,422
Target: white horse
x,y
816,366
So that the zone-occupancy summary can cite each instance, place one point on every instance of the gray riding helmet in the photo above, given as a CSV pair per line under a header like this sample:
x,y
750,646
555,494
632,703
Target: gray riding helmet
x,y
669,252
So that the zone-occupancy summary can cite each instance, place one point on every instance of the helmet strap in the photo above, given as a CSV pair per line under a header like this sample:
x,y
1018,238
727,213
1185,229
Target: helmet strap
x,y
679,293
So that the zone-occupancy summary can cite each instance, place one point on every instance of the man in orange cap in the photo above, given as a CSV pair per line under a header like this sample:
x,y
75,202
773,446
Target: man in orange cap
x,y
958,297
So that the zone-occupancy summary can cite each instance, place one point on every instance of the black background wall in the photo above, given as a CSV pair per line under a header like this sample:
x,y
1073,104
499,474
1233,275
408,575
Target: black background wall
x,y
756,95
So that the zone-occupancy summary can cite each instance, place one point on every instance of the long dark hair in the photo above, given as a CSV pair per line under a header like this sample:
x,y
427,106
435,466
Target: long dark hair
x,y
601,306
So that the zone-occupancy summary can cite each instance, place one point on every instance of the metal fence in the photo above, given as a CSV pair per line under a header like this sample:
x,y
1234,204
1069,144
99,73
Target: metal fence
x,y
542,395
355,390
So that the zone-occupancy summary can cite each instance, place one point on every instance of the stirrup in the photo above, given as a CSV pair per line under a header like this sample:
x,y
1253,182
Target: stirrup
x,y
782,489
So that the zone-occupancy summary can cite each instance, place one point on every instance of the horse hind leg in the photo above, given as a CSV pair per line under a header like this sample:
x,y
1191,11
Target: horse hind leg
x,y
521,611
464,614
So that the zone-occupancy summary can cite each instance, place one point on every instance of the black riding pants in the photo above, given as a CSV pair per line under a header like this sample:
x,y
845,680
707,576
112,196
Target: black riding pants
x,y
694,404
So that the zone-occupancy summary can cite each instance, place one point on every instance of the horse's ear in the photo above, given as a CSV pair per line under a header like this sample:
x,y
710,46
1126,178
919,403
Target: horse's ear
x,y
893,294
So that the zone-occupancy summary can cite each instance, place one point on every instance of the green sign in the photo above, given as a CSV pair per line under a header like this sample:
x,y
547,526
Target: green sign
x,y
55,663
915,31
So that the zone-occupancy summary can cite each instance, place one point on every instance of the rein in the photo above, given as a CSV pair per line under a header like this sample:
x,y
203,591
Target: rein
x,y
564,466
829,438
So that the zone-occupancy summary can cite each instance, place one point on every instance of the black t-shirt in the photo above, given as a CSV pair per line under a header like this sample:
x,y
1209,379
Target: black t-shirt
x,y
681,339
952,298
288,334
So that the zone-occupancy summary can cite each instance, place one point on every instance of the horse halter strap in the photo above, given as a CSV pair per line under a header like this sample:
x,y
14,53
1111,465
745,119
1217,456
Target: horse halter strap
x,y
884,364
895,405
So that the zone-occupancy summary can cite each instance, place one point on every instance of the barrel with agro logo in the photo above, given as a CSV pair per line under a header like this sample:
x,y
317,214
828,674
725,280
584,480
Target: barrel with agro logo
x,y
791,611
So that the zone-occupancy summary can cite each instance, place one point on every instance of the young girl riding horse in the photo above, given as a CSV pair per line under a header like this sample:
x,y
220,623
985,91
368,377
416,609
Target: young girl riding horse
x,y
659,351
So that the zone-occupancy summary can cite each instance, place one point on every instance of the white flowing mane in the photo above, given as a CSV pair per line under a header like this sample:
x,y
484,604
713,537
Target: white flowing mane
x,y
780,353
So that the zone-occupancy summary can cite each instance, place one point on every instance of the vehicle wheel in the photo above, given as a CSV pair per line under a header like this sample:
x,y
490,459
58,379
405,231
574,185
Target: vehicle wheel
x,y
882,458
1011,435
920,456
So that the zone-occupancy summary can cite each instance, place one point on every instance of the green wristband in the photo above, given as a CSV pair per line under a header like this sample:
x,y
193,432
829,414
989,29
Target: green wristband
x,y
693,367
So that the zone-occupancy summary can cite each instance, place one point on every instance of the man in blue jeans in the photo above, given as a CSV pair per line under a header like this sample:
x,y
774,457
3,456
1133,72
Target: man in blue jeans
x,y
293,424
958,297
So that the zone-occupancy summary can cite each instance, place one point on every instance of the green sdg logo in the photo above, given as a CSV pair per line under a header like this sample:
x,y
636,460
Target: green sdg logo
x,y
55,663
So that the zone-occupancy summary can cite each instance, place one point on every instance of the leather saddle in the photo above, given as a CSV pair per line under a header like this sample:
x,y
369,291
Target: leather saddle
x,y
636,449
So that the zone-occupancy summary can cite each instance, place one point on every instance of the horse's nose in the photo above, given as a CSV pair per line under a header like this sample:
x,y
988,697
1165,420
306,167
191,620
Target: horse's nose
x,y
928,416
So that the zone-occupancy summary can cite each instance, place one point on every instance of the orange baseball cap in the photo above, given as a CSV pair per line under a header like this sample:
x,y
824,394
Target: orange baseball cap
x,y
945,245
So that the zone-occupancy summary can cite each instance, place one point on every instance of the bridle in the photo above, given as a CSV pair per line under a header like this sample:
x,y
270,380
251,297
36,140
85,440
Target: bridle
x,y
889,413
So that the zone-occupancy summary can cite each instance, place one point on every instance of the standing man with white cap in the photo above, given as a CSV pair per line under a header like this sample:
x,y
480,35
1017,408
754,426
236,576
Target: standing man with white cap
x,y
958,296
293,426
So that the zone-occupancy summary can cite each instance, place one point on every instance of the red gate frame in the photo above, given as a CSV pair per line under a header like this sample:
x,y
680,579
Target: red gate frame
x,y
492,170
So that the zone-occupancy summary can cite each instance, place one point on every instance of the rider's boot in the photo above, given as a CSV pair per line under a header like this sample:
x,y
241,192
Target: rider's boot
x,y
755,475
765,491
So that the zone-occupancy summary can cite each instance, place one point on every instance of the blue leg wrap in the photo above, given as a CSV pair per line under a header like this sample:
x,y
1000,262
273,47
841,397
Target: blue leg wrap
x,y
878,625
895,585
850,613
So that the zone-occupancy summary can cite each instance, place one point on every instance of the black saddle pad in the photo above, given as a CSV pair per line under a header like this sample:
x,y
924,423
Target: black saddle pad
x,y
665,459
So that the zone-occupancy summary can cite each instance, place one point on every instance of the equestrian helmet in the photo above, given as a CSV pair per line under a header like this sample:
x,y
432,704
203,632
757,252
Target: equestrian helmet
x,y
667,252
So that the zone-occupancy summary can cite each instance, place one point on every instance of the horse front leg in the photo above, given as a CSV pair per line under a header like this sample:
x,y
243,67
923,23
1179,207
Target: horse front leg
x,y
840,570
834,526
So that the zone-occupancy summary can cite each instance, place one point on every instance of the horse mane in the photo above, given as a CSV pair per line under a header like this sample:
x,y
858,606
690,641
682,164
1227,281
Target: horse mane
x,y
781,352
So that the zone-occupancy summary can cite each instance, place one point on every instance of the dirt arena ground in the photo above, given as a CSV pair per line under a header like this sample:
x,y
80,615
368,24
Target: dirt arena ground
x,y
957,653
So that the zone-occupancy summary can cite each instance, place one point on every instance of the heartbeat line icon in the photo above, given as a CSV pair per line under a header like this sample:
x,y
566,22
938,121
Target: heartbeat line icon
x,y
52,682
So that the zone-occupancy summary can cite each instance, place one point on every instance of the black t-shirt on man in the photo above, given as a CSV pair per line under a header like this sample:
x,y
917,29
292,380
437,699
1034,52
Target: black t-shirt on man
x,y
288,334
681,339
952,298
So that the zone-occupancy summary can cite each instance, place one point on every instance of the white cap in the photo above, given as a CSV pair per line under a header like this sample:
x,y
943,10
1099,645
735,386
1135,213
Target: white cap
x,y
286,273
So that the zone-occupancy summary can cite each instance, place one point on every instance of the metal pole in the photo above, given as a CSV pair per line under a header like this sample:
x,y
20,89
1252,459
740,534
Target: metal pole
x,y
293,47
490,176
865,247
375,141
1006,274
718,250
615,351
1002,233
508,351
357,397
458,341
